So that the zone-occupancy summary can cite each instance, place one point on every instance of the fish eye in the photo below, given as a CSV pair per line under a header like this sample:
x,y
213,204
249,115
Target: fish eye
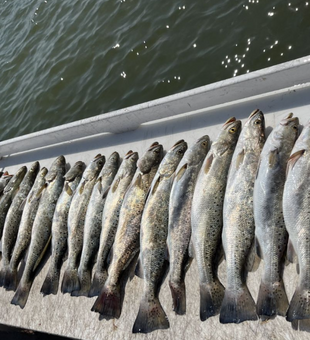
x,y
258,121
232,130
156,151
295,127
204,143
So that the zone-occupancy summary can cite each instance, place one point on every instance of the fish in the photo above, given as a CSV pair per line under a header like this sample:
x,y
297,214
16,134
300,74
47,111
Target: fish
x,y
93,223
4,180
76,219
24,232
153,236
238,221
207,217
179,229
296,203
13,218
60,229
9,193
270,233
126,245
41,230
110,218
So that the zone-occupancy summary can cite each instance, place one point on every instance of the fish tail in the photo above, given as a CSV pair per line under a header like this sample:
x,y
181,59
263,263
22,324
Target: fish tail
x,y
21,295
300,305
109,302
97,284
151,317
10,279
70,281
272,300
51,282
178,297
84,277
211,297
3,272
237,306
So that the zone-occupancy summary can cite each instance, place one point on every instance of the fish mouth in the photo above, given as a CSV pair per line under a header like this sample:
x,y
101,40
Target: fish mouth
x,y
254,113
97,156
130,154
229,120
177,143
205,138
153,146
289,119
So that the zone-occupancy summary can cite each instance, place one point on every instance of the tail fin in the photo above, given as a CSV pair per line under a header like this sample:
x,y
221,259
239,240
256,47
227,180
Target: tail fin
x,y
21,295
238,306
272,300
98,283
299,306
10,279
178,297
151,317
2,275
85,282
211,297
51,282
70,281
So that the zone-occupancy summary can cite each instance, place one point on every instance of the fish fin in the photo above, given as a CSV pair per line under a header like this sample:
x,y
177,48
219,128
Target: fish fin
x,y
211,297
273,158
155,185
98,282
240,158
151,317
68,189
82,187
38,194
105,193
99,184
2,275
293,159
290,252
70,281
208,163
50,176
85,283
299,307
253,261
139,269
181,172
115,184
51,282
259,252
138,181
10,280
272,300
295,324
238,306
22,205
42,253
301,325
178,293
21,295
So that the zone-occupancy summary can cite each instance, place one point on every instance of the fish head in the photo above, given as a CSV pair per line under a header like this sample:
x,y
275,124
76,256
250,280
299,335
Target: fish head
x,y
172,158
75,171
98,162
303,141
254,128
43,172
58,166
16,179
152,157
198,151
129,164
288,129
230,133
34,167
113,160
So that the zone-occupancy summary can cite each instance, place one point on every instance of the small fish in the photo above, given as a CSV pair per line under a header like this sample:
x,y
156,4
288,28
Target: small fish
x,y
9,193
238,217
270,231
60,229
41,231
93,223
296,202
179,231
126,245
4,180
153,236
207,216
13,218
110,217
76,219
31,205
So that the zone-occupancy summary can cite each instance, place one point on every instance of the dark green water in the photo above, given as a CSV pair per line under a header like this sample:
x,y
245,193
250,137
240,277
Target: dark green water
x,y
64,60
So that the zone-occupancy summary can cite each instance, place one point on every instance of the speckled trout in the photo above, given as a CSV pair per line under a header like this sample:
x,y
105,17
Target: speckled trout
x,y
238,217
207,216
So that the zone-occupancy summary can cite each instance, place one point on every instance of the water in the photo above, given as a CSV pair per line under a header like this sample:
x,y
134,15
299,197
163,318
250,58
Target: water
x,y
61,61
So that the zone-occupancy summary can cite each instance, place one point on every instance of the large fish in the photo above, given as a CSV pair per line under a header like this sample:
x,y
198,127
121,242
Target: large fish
x,y
179,231
207,216
60,229
296,203
76,219
9,193
25,228
153,243
13,218
270,232
110,217
238,217
126,246
41,231
93,222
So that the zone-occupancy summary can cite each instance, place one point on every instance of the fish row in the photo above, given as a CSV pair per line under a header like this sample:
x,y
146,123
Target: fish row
x,y
241,198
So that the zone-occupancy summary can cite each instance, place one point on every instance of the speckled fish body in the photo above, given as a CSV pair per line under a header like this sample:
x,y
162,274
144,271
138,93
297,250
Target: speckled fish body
x,y
127,240
76,219
179,231
25,228
13,218
270,232
207,216
110,217
60,229
153,243
296,202
41,231
93,222
9,193
4,180
238,217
